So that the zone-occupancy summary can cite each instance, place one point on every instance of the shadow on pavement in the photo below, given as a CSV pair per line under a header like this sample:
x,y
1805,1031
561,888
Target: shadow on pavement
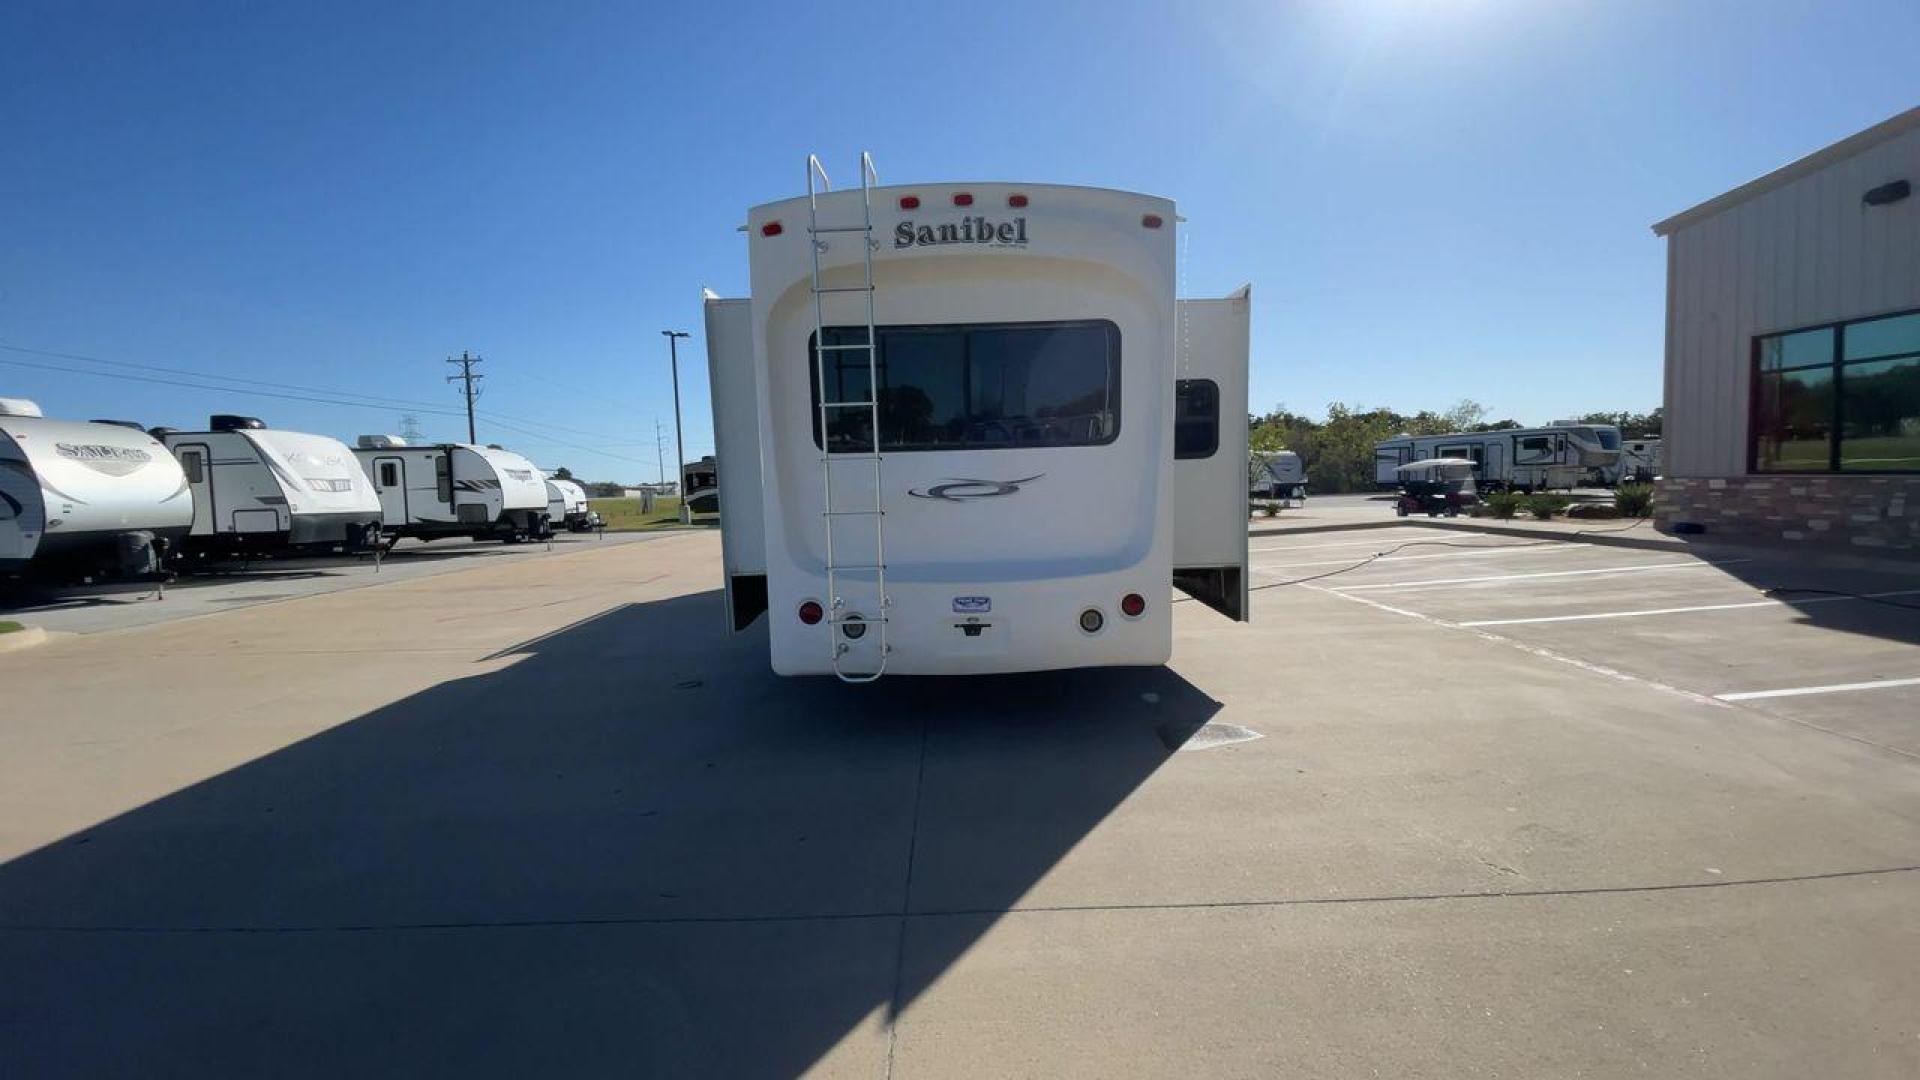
x,y
1848,601
629,850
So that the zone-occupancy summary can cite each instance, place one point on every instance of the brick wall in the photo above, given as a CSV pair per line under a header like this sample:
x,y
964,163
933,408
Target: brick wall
x,y
1856,512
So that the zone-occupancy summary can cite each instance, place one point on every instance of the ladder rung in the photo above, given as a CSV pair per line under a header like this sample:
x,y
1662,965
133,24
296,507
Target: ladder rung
x,y
852,513
843,348
841,228
830,457
848,404
856,566
863,619
845,288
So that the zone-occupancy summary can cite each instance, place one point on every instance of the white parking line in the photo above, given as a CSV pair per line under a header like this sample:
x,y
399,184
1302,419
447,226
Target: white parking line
x,y
1686,610
1384,541
1802,691
1489,549
1639,569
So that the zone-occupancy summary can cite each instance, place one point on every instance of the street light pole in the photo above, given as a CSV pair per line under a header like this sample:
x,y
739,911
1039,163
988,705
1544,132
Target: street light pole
x,y
679,444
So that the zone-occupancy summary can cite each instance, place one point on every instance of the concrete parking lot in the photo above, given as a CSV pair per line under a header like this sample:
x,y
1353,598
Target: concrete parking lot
x,y
228,586
1484,810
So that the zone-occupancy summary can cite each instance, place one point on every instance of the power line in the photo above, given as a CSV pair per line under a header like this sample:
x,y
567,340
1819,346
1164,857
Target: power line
x,y
424,406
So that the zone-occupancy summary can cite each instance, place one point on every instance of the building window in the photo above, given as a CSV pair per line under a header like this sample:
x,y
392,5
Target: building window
x,y
389,474
1196,418
1838,398
972,387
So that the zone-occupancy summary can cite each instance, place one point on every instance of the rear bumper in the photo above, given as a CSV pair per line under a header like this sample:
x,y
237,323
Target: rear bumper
x,y
1022,626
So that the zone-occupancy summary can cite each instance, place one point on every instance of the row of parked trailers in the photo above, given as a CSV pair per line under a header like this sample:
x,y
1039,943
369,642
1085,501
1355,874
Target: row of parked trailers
x,y
104,500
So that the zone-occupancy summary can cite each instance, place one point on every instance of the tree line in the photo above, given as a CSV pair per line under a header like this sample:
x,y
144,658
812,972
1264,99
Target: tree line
x,y
1337,453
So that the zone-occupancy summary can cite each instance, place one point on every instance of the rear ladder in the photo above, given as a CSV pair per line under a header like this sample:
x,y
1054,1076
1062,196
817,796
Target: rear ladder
x,y
844,578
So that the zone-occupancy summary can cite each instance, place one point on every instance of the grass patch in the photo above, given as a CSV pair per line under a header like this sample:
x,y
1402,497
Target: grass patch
x,y
10,627
623,515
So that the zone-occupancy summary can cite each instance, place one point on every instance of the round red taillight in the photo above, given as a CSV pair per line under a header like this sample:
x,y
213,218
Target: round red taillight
x,y
811,612
909,202
1133,605
771,228
1016,201
961,198
1151,221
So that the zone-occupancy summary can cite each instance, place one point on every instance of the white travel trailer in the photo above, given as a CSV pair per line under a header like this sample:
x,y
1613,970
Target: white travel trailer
x,y
258,490
86,501
1020,511
567,506
1277,476
1640,461
437,490
1527,459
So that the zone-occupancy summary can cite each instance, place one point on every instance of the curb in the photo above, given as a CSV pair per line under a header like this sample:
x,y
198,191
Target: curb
x,y
1302,530
1650,541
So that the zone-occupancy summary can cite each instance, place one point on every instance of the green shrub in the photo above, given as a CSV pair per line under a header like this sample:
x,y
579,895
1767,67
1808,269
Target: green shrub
x,y
1634,500
1545,506
1503,504
10,628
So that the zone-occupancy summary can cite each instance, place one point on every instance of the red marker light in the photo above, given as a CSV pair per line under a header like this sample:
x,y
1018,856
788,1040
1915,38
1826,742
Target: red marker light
x,y
961,198
1151,221
811,612
1132,605
771,228
909,202
1016,201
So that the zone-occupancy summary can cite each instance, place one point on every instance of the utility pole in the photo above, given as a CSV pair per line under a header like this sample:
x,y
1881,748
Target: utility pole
x,y
679,444
467,378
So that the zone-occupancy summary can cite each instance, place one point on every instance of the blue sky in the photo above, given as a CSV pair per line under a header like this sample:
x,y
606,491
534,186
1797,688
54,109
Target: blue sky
x,y
1434,199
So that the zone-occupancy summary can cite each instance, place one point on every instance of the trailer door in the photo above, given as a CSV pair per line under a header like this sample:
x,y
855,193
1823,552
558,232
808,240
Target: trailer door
x,y
1210,452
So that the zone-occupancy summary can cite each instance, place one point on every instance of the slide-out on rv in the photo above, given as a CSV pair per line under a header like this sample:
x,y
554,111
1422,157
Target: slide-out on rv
x,y
258,490
1525,459
438,490
567,506
1030,498
84,501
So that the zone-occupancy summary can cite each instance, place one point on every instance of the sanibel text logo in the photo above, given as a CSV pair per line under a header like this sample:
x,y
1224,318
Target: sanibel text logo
x,y
968,230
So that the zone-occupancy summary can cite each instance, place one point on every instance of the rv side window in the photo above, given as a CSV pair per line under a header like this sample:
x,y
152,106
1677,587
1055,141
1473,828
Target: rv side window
x,y
443,478
190,462
389,474
1196,418
973,387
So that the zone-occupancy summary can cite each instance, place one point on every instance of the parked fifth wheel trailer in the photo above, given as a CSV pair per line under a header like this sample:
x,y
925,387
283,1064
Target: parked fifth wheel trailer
x,y
1527,459
1019,351
86,501
257,490
438,490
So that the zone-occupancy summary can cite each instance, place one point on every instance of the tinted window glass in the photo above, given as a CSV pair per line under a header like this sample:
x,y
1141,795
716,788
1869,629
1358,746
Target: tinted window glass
x,y
190,464
1883,337
974,387
1196,418
1880,403
1796,350
1794,420
389,474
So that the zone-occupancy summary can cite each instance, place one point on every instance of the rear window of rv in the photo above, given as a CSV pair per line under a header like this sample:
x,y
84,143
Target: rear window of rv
x,y
972,387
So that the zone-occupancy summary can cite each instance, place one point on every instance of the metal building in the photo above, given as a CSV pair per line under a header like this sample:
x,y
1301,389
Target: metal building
x,y
1793,350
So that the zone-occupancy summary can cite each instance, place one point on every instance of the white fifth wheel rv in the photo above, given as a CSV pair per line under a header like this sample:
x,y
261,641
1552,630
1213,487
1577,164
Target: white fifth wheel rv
x,y
1527,459
437,490
567,506
86,501
1031,497
257,490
